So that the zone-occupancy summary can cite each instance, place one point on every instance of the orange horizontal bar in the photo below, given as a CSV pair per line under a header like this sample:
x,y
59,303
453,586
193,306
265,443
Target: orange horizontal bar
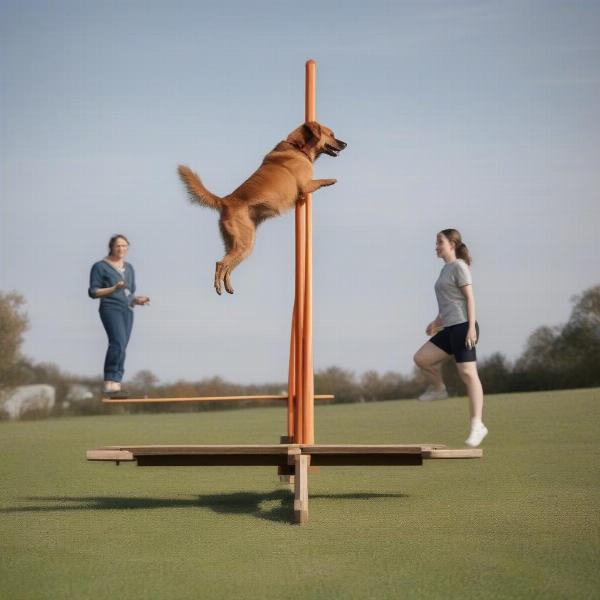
x,y
206,399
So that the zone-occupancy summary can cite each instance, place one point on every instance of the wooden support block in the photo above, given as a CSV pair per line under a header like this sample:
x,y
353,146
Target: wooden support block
x,y
301,489
286,473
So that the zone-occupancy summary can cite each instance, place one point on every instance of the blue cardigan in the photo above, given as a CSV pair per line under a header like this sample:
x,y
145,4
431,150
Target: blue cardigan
x,y
104,275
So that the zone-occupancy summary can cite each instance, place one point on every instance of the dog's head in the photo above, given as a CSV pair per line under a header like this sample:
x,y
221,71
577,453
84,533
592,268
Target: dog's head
x,y
315,139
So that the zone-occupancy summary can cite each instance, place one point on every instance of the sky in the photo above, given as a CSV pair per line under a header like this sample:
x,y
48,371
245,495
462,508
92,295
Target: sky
x,y
478,115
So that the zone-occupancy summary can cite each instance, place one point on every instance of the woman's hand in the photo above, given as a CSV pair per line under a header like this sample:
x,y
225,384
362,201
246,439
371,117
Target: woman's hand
x,y
471,339
141,300
119,285
433,327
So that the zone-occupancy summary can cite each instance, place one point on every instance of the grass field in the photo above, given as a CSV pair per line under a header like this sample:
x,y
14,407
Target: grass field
x,y
523,522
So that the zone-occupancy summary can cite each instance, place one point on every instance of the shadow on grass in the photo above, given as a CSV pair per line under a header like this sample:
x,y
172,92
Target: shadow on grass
x,y
277,505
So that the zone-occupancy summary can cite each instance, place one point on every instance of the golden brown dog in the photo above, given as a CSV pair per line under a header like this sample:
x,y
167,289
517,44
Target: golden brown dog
x,y
283,179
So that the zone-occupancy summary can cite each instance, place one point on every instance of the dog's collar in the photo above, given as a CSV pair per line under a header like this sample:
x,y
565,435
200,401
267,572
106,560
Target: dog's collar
x,y
299,148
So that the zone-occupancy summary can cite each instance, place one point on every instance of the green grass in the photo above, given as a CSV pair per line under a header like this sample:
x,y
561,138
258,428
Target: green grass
x,y
520,523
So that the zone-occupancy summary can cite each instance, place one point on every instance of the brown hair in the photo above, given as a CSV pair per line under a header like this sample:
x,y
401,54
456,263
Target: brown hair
x,y
454,237
114,239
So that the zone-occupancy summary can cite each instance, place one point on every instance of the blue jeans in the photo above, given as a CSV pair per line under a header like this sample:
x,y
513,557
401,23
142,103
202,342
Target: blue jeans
x,y
118,323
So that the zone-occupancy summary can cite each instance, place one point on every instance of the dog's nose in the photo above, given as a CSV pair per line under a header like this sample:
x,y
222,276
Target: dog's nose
x,y
341,144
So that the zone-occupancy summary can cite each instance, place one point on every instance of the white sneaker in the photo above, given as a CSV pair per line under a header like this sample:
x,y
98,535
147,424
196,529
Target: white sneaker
x,y
432,394
476,436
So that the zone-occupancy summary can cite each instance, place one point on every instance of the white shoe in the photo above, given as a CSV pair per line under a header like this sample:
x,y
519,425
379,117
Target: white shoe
x,y
476,436
432,394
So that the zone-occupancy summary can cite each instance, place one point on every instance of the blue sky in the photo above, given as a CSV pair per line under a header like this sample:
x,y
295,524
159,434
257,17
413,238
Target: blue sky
x,y
484,116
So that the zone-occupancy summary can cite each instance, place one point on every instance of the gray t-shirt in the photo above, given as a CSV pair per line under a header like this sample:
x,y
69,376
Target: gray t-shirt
x,y
451,302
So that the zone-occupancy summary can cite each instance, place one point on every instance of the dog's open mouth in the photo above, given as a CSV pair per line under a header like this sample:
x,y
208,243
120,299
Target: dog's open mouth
x,y
331,150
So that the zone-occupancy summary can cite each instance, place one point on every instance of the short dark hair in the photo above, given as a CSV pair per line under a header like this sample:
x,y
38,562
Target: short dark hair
x,y
113,241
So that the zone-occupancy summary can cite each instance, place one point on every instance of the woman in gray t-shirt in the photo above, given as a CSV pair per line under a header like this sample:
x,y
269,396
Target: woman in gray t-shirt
x,y
455,331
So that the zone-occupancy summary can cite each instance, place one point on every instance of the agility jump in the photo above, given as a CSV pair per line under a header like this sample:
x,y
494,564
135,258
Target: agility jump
x,y
298,449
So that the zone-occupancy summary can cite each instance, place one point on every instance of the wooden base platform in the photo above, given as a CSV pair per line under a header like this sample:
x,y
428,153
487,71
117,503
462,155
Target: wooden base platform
x,y
295,457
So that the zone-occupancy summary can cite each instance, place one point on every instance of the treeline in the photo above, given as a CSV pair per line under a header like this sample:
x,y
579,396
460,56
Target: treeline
x,y
559,357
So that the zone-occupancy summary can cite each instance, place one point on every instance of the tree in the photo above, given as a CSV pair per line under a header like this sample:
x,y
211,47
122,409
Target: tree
x,y
579,342
495,373
565,356
144,379
337,381
13,323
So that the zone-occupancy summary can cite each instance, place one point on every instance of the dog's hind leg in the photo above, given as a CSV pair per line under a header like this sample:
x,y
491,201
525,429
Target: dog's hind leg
x,y
241,233
219,277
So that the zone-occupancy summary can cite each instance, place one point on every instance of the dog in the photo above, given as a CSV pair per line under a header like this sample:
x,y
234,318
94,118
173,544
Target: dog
x,y
284,179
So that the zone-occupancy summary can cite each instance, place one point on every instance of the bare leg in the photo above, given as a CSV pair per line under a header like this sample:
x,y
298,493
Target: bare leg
x,y
429,359
468,373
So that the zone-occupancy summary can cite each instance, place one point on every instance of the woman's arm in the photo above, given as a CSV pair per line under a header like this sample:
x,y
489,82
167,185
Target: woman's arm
x,y
95,289
103,292
467,292
136,300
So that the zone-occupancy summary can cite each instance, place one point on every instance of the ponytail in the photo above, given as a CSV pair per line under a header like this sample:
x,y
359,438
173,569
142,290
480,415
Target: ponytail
x,y
463,252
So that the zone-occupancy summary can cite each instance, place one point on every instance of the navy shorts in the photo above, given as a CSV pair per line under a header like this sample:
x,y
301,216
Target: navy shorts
x,y
452,341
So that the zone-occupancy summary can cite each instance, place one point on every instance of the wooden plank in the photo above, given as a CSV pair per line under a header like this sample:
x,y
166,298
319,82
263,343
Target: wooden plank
x,y
258,398
301,489
453,453
281,455
108,454
251,449
360,448
196,455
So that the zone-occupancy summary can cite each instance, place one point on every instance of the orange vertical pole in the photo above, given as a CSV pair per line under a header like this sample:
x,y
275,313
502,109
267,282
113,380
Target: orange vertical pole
x,y
308,436
298,322
291,389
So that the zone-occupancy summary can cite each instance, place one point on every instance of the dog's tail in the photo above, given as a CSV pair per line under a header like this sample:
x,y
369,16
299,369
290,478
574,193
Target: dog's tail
x,y
196,190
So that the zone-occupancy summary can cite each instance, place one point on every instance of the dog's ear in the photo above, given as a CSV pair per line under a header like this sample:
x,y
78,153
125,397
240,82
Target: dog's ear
x,y
312,130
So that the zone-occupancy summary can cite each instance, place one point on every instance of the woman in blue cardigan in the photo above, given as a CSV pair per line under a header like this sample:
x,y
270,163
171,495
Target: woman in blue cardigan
x,y
113,281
